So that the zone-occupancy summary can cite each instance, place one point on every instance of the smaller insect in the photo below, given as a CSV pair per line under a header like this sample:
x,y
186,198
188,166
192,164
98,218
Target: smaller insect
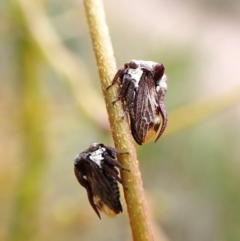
x,y
95,170
143,86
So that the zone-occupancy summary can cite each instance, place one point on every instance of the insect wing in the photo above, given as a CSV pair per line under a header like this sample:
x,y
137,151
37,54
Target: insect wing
x,y
102,189
105,192
147,113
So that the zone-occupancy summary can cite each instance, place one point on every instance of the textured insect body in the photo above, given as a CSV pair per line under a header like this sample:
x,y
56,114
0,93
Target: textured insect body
x,y
111,207
95,170
143,87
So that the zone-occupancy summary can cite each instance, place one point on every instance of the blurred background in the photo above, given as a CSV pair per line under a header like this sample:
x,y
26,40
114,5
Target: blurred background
x,y
51,108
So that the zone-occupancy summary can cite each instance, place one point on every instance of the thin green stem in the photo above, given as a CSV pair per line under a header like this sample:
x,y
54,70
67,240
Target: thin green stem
x,y
57,55
134,194
24,223
200,110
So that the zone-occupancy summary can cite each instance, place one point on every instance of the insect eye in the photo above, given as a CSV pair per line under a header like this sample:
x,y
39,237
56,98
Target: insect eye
x,y
132,64
93,147
158,71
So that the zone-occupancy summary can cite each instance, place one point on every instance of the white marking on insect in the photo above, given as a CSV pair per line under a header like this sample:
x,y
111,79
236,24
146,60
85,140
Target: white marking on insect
x,y
97,157
162,83
136,75
142,63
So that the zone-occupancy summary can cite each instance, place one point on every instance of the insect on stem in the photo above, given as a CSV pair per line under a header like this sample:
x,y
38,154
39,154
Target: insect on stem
x,y
143,86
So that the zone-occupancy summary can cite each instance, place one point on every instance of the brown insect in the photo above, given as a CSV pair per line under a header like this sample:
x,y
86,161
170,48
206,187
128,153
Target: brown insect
x,y
95,170
143,86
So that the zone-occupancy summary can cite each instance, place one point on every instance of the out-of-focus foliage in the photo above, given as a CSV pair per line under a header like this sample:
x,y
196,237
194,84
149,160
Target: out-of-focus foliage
x,y
191,177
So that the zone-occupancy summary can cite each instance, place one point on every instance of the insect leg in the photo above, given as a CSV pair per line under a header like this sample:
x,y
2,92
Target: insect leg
x,y
119,75
114,163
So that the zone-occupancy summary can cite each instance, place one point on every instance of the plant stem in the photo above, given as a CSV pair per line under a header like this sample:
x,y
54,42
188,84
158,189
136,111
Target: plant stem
x,y
134,194
75,74
200,110
24,223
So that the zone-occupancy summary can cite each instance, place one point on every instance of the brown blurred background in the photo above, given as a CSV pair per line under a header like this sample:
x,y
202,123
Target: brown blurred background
x,y
51,108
